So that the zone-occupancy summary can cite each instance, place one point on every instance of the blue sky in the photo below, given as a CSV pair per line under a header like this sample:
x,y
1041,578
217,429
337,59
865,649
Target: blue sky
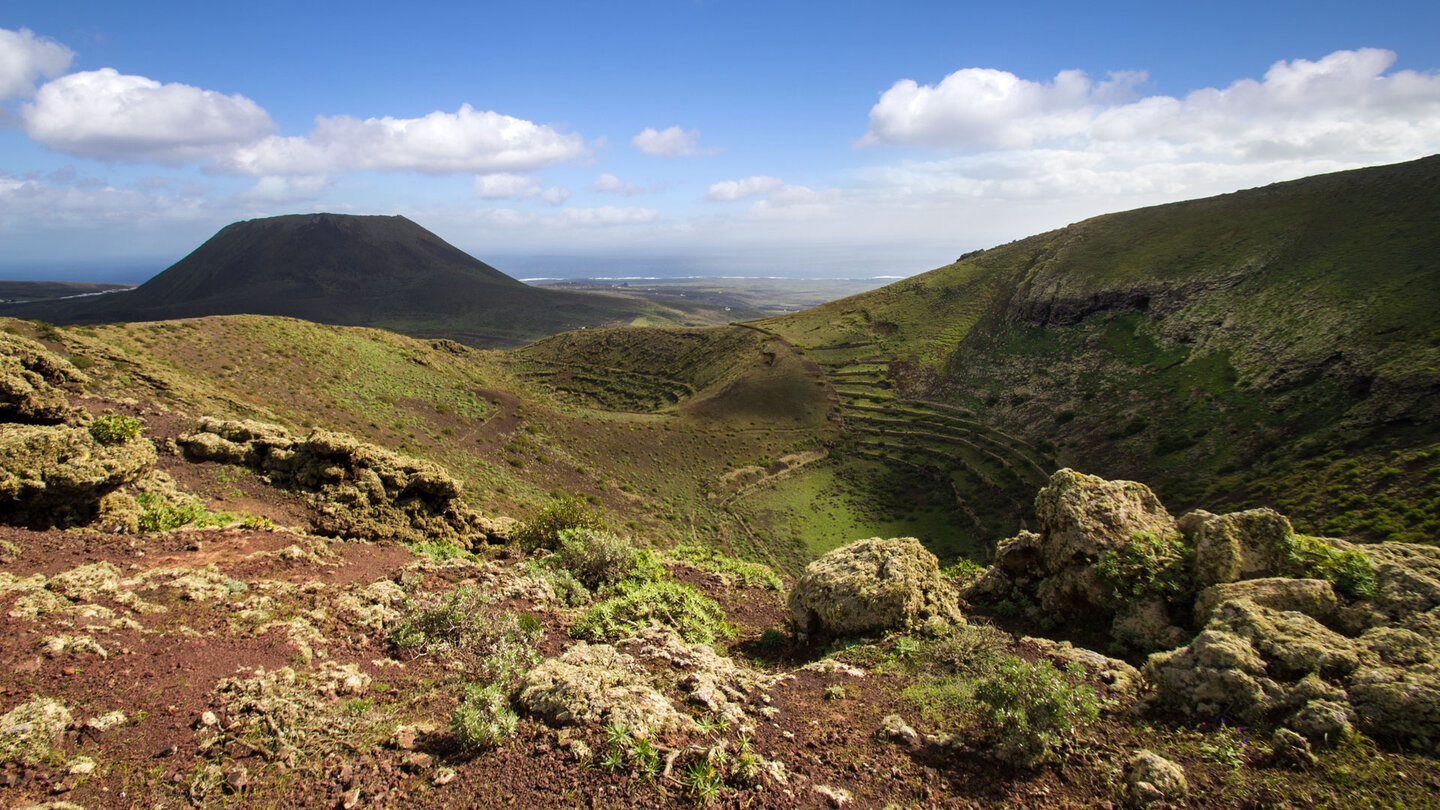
x,y
667,137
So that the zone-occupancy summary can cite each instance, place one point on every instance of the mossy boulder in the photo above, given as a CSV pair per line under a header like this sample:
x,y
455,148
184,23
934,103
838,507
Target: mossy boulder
x,y
362,490
34,383
58,474
1407,589
1151,778
29,731
1253,663
1313,597
1083,516
1399,703
1241,545
873,586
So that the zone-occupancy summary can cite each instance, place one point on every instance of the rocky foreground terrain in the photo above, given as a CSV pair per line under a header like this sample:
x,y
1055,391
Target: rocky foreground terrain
x,y
219,613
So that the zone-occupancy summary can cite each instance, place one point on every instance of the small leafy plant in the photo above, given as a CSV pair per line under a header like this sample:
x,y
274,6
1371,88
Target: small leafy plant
x,y
1150,565
696,617
115,428
726,567
161,514
1033,708
601,559
496,646
1225,745
484,718
1351,572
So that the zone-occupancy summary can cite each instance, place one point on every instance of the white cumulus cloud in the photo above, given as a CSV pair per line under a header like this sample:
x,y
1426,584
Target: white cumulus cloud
x,y
506,185
991,108
671,142
727,190
1344,105
293,188
468,140
496,186
608,182
104,114
606,215
25,58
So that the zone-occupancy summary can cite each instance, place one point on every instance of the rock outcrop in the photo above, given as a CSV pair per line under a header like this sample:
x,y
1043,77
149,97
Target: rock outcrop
x,y
1242,545
1315,635
58,474
34,382
1083,516
873,586
1054,575
362,490
57,464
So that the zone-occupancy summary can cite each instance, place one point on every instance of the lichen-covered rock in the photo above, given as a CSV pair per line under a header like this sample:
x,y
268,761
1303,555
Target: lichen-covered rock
x,y
362,490
1290,642
1407,589
1075,590
1216,672
57,474
1252,663
1189,523
28,731
1240,545
1020,555
1145,624
1324,722
1151,778
873,586
1399,704
1313,597
1083,516
1122,681
1291,748
33,383
702,676
1397,646
596,683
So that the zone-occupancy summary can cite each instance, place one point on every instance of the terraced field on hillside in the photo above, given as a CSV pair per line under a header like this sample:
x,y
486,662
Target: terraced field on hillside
x,y
899,466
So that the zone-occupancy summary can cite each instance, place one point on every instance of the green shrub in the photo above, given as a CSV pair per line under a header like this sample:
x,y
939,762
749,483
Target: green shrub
x,y
1351,572
974,650
484,718
543,530
160,514
569,590
1147,566
1033,708
963,569
696,617
115,428
442,550
726,567
496,646
597,558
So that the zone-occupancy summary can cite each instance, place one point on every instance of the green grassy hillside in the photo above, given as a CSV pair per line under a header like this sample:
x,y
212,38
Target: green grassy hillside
x,y
1275,346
